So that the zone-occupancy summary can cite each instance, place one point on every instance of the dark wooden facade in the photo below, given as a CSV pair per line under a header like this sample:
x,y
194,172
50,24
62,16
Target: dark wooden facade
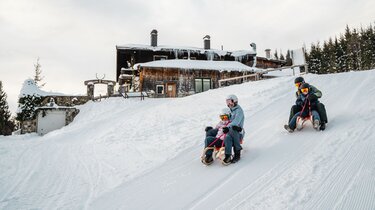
x,y
182,82
127,56
265,63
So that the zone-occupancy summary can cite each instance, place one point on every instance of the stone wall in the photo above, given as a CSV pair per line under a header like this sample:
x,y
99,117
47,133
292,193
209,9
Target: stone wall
x,y
66,100
28,126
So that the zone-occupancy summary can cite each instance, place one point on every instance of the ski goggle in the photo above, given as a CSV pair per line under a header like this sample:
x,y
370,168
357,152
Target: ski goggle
x,y
298,84
224,117
305,90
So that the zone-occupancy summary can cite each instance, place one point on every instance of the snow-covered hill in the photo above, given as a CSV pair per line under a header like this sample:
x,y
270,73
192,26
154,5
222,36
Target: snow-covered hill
x,y
131,154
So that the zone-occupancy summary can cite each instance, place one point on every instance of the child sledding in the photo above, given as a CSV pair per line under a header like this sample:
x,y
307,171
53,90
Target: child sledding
x,y
226,135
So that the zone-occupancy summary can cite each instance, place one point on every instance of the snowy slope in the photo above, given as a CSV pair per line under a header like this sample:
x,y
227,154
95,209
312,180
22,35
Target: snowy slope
x,y
131,154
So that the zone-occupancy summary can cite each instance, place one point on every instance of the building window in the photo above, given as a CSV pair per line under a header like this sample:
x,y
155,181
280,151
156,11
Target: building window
x,y
160,57
159,89
202,85
191,58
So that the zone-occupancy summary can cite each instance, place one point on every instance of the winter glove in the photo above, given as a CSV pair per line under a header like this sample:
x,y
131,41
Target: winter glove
x,y
299,102
208,128
237,128
225,130
312,97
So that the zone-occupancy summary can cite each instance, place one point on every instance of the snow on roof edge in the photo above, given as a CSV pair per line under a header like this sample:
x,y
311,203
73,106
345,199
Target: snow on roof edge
x,y
236,53
199,64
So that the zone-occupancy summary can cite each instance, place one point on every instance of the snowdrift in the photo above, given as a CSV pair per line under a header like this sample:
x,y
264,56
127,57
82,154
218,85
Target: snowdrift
x,y
131,154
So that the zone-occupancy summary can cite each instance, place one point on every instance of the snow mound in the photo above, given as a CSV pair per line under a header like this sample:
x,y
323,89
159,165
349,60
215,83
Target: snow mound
x,y
132,154
30,88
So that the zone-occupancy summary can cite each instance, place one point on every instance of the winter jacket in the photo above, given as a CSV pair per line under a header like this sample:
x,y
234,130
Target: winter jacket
x,y
312,90
219,127
307,105
237,117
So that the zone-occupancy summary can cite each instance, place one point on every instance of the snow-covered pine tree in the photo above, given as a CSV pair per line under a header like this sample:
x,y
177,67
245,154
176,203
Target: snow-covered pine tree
x,y
282,57
6,125
366,51
340,54
27,106
372,46
314,59
288,59
330,57
38,74
275,55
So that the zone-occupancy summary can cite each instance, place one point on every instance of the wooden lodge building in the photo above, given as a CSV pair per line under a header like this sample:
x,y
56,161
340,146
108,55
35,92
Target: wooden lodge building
x,y
171,71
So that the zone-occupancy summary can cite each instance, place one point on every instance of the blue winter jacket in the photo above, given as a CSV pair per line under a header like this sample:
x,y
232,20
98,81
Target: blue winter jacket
x,y
237,117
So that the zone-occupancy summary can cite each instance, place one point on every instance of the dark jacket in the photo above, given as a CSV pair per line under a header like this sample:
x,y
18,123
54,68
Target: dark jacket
x,y
308,102
312,90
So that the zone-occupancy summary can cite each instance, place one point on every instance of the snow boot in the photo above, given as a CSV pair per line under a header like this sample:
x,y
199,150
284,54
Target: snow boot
x,y
322,126
208,160
237,156
316,125
288,128
227,160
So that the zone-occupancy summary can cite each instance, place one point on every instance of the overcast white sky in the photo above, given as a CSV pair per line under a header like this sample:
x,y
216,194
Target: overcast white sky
x,y
75,39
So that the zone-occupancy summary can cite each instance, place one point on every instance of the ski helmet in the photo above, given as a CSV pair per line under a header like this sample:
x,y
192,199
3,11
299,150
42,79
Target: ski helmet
x,y
225,113
299,80
305,88
233,98
305,85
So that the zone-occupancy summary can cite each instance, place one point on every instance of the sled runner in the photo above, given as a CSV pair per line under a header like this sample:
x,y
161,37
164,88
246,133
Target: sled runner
x,y
301,121
218,152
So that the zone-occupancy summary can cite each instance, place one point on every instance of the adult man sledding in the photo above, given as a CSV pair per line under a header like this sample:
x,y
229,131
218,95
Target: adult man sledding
x,y
308,101
319,107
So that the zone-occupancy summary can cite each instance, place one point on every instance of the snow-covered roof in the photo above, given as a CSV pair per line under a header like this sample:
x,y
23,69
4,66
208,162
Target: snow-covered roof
x,y
236,53
30,88
199,64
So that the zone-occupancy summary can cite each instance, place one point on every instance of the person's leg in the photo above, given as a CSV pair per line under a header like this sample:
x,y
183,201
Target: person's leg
x,y
293,111
208,141
212,132
232,140
322,112
315,115
316,119
293,121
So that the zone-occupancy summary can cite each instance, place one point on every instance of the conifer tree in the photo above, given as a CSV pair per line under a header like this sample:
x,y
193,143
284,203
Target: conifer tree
x,y
288,59
366,51
317,59
6,125
282,57
275,55
27,106
372,47
38,74
340,54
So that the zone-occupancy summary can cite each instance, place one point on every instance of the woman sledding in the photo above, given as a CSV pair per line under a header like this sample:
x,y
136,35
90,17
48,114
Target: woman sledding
x,y
228,133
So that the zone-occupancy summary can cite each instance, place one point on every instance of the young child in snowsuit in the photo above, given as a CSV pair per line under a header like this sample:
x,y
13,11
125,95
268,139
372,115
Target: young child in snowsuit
x,y
307,100
217,134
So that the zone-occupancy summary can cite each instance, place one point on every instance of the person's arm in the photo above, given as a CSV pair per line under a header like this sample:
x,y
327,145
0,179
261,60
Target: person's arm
x,y
239,116
316,92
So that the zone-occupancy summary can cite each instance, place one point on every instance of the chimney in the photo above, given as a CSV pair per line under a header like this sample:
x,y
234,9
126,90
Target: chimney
x,y
154,38
268,53
207,42
254,46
